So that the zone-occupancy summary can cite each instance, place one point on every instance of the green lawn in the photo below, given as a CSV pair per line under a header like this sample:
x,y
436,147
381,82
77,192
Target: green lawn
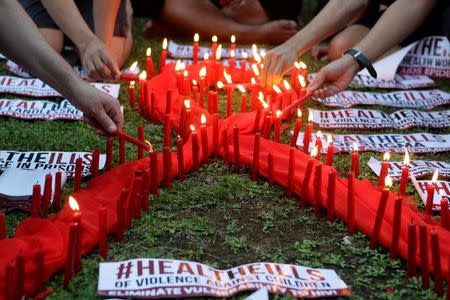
x,y
221,217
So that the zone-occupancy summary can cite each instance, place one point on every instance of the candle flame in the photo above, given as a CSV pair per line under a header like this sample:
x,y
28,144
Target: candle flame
x,y
192,127
286,84
203,119
220,84
206,56
435,176
219,52
233,39
244,54
302,65
310,117
133,66
255,70
149,52
263,53
299,113
253,80
314,151
254,49
143,75
278,113
319,134
196,38
164,45
185,73
232,53
150,146
329,139
261,99
276,89
241,88
297,65
257,57
73,204
187,103
388,181
355,146
386,156
178,66
202,72
214,39
227,77
302,81
194,82
406,159
132,83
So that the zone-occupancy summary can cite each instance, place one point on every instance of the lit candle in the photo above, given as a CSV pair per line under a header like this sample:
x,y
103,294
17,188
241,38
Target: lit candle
x,y
236,151
102,233
244,66
350,203
141,137
78,171
121,151
36,200
162,60
278,98
73,258
229,100
167,167
185,118
437,269
430,193
179,68
307,177
267,124
142,79
396,227
405,174
294,75
254,53
243,98
131,93
214,46
149,63
287,95
412,248
57,193
270,176
195,148
186,83
216,134
297,127
318,143
384,168
233,42
318,188
231,62
202,87
302,83
380,213
180,158
330,151
423,247
277,125
121,134
109,154
291,173
255,162
2,227
307,133
47,194
204,137
355,160
254,94
167,130
331,194
194,91
195,51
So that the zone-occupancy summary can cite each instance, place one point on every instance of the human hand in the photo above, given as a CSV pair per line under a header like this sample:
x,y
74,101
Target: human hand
x,y
277,62
235,3
320,52
334,77
97,62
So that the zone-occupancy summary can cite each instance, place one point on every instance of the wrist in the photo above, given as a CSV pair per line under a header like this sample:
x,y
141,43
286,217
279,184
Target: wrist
x,y
84,40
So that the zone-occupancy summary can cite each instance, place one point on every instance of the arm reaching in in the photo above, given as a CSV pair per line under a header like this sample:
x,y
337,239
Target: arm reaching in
x,y
401,19
21,41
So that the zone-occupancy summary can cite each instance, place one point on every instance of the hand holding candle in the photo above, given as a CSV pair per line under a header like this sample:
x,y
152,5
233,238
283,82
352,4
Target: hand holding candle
x,y
120,134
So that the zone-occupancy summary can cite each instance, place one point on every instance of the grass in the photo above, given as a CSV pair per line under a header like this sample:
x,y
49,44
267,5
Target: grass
x,y
221,217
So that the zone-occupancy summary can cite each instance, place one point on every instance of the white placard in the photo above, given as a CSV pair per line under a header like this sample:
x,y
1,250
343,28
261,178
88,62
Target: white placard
x,y
48,160
402,99
39,110
36,88
19,71
186,51
442,191
2,56
402,82
166,278
415,142
261,294
375,119
418,168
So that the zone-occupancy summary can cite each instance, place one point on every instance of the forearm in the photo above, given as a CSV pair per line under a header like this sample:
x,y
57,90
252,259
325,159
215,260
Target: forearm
x,y
333,17
105,19
21,41
401,19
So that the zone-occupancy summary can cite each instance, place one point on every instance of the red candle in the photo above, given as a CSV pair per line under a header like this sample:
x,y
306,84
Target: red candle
x,y
307,134
330,151
169,99
267,124
423,246
302,83
77,244
109,154
195,149
430,196
236,151
255,162
318,188
186,88
307,178
291,173
2,227
244,66
10,281
384,169
180,157
436,255
351,204
355,160
243,98
149,63
257,120
210,101
182,125
318,143
167,162
214,47
270,175
233,42
396,227
287,95
121,151
404,180
102,233
145,189
204,137
77,178
162,60
216,134
70,257
132,93
132,140
229,101
445,220
47,194
38,278
57,193
380,213
202,87
277,125
120,211
297,127
195,50
95,163
142,78
167,130
254,97
226,155
412,245
231,62
154,172
195,91
36,200
331,194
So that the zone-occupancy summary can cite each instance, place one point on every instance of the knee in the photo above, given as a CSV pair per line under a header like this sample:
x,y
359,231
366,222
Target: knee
x,y
337,46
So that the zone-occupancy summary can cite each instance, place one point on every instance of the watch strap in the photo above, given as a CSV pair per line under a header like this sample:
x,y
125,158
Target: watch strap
x,y
362,60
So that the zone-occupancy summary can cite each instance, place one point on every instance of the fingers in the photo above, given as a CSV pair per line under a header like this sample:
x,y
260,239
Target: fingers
x,y
112,66
318,80
95,125
104,72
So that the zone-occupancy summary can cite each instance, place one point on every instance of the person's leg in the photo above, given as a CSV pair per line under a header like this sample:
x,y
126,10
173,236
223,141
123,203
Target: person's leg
x,y
122,43
54,37
248,12
345,39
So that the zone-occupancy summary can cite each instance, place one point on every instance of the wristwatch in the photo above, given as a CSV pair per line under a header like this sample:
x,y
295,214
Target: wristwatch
x,y
362,60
